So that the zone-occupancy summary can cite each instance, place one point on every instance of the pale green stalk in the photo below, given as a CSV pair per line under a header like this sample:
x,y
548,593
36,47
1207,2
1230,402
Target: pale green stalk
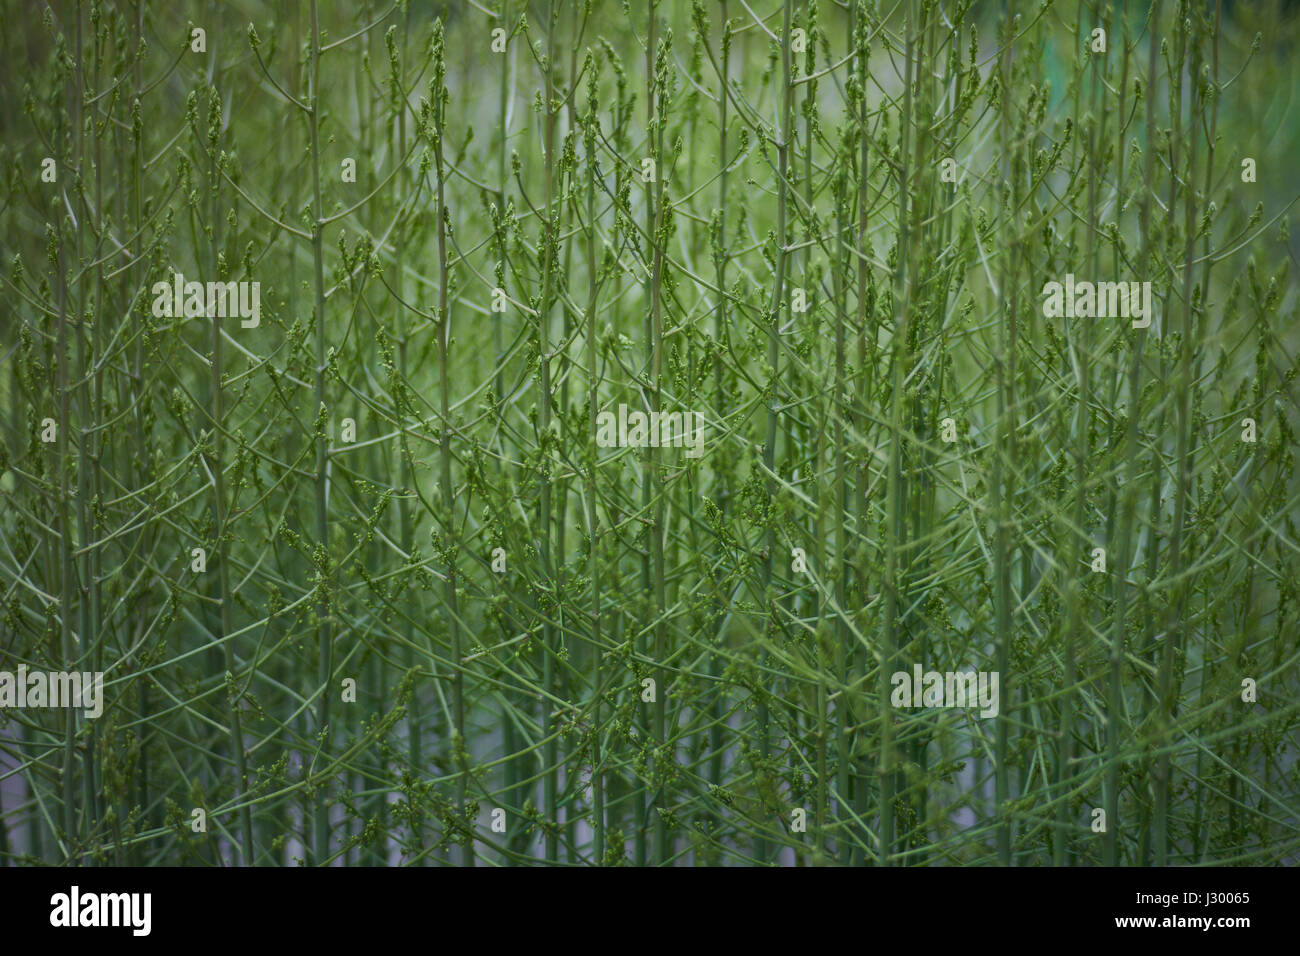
x,y
324,597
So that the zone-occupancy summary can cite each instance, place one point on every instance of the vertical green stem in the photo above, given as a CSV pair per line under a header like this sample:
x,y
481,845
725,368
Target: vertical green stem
x,y
324,595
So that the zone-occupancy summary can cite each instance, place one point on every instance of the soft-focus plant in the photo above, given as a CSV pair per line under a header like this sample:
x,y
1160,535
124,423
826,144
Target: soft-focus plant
x,y
364,584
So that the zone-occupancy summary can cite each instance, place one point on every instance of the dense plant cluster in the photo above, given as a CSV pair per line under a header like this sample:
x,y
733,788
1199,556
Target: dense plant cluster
x,y
366,588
